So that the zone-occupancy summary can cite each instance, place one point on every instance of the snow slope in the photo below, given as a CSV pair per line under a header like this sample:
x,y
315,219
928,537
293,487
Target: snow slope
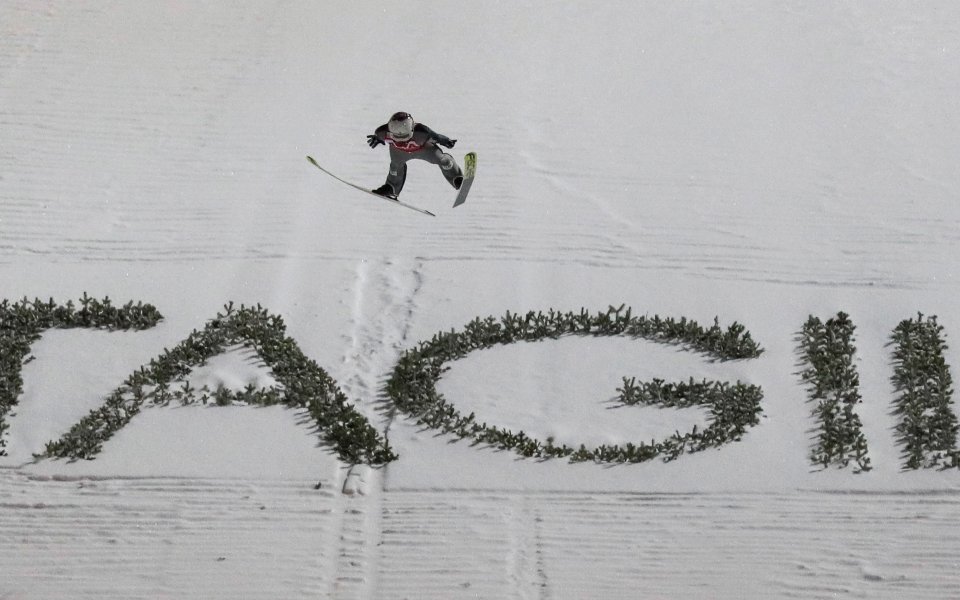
x,y
754,161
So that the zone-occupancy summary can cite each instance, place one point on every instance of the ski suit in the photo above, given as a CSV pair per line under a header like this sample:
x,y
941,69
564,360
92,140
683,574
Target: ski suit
x,y
422,145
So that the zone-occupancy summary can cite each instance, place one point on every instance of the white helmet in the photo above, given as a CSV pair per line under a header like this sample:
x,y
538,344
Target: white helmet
x,y
401,126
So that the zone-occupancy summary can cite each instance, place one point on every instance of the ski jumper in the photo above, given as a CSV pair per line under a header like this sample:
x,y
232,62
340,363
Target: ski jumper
x,y
422,145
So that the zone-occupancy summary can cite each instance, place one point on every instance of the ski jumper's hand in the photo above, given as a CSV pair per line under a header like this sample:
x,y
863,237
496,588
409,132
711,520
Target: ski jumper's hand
x,y
374,141
447,142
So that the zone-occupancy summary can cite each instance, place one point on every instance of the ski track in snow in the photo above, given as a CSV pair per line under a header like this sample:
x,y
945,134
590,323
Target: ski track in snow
x,y
383,303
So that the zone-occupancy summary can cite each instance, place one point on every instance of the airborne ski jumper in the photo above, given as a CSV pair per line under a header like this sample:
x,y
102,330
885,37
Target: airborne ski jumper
x,y
414,141
407,141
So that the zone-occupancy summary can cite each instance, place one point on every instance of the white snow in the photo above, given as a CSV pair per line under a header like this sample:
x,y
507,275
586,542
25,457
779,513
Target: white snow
x,y
754,161
565,389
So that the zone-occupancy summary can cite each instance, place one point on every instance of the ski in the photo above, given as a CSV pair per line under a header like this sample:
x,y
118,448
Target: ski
x,y
363,189
469,170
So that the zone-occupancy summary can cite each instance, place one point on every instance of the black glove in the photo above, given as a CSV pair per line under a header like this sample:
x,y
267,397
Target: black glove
x,y
374,141
447,142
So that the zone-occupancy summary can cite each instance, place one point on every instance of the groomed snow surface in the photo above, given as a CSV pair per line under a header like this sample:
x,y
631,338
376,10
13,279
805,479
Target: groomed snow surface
x,y
753,161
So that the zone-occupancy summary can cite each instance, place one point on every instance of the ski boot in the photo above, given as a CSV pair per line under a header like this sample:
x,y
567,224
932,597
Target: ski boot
x,y
386,191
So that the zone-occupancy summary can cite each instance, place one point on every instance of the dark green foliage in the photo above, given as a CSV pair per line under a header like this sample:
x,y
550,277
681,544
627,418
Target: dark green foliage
x,y
412,387
733,408
303,385
927,430
22,323
827,351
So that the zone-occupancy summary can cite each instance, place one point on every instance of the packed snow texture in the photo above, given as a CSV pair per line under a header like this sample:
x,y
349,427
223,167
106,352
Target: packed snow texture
x,y
754,161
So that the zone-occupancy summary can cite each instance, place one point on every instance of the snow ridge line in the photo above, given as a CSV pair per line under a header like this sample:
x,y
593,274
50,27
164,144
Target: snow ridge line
x,y
712,545
153,538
